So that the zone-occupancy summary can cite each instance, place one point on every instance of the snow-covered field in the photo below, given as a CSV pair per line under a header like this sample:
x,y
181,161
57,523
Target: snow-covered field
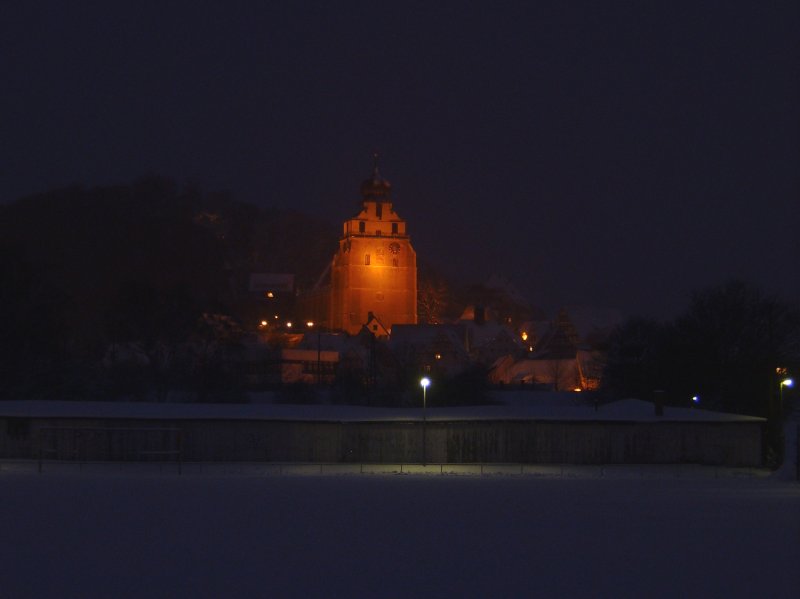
x,y
150,535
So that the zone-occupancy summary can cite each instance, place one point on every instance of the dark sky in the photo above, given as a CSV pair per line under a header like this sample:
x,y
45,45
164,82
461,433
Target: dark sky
x,y
616,154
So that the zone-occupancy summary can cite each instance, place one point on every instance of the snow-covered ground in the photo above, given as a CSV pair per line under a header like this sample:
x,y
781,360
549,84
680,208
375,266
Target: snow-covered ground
x,y
160,535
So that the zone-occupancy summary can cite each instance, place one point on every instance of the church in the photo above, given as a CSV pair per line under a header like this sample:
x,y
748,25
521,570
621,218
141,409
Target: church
x,y
373,275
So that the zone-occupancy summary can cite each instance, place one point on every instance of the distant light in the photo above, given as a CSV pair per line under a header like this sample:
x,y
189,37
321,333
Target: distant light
x,y
438,356
270,294
524,336
263,323
425,382
787,383
288,325
530,348
276,317
696,398
577,389
310,323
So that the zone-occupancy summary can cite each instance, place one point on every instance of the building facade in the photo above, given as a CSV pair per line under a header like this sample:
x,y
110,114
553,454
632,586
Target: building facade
x,y
374,272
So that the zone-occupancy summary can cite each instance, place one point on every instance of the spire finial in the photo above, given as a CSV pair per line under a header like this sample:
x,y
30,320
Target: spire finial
x,y
376,175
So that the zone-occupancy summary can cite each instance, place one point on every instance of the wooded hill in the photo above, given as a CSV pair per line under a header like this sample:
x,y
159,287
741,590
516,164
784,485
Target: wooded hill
x,y
83,267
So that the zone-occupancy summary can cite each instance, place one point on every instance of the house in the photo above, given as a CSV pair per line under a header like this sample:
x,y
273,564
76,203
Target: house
x,y
561,360
430,348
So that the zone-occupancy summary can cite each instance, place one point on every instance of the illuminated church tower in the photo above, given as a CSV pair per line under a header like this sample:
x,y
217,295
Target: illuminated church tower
x,y
374,273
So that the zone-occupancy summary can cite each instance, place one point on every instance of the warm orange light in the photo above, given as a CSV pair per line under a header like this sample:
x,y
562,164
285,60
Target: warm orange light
x,y
270,294
524,336
288,325
438,356
577,389
310,324
263,323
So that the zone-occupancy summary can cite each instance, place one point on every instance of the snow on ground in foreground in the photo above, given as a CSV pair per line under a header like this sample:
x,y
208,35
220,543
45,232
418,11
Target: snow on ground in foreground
x,y
89,536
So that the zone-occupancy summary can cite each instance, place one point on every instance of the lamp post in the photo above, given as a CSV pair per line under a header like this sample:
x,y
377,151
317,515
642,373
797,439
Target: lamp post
x,y
310,325
784,383
424,383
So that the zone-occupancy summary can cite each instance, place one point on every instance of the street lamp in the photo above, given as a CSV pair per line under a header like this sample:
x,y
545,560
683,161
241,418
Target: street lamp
x,y
424,383
784,383
310,325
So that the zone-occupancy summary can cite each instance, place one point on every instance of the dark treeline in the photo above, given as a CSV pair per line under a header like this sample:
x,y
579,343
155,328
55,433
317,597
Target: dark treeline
x,y
728,348
83,270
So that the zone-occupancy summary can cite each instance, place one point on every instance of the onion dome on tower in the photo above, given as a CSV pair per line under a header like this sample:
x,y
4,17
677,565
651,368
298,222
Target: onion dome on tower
x,y
376,188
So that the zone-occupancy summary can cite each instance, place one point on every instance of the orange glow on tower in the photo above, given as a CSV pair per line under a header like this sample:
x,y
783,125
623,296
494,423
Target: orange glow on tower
x,y
375,270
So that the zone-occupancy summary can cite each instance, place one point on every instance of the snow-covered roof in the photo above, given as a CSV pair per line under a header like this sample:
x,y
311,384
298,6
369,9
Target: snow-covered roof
x,y
552,407
426,336
327,341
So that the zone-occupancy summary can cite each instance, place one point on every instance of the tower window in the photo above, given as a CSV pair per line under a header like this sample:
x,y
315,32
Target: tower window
x,y
378,233
362,226
366,259
394,228
394,261
379,210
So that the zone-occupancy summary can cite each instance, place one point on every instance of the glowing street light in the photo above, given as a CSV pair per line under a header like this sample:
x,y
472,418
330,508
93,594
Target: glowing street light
x,y
424,382
785,383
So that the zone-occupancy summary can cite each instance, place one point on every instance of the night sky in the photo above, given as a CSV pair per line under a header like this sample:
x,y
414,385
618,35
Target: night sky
x,y
614,154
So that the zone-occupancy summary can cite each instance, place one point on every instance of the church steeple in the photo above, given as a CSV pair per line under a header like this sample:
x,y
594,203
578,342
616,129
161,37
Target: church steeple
x,y
375,173
374,273
376,188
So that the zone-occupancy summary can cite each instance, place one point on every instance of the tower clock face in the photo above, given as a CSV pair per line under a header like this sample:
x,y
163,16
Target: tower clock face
x,y
394,248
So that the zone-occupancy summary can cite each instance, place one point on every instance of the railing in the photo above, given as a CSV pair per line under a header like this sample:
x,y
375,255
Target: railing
x,y
545,471
86,444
